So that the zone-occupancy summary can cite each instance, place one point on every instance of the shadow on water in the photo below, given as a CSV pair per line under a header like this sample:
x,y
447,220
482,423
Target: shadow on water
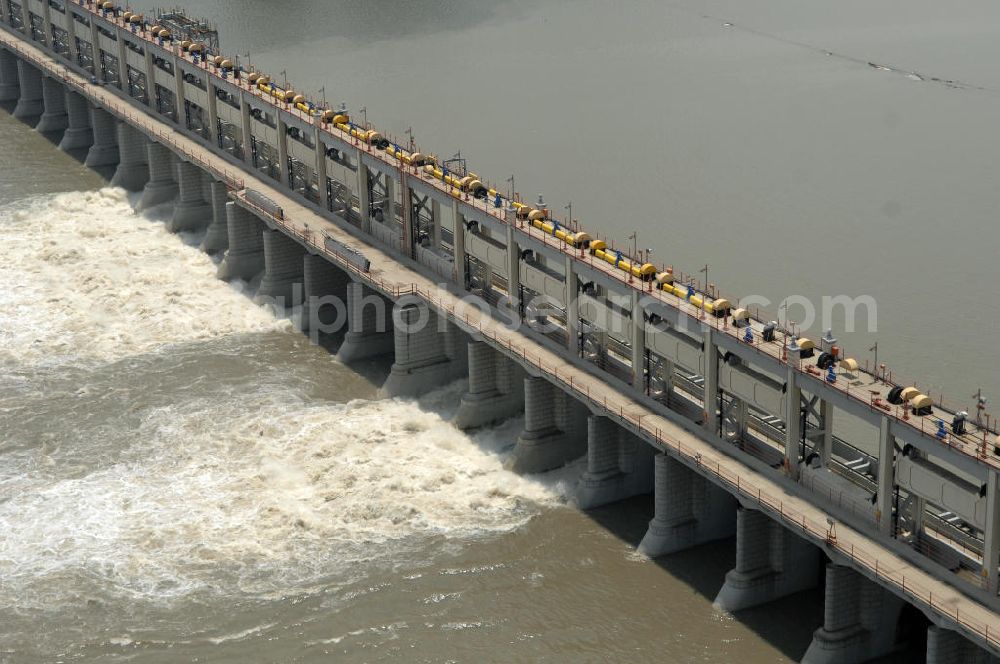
x,y
787,623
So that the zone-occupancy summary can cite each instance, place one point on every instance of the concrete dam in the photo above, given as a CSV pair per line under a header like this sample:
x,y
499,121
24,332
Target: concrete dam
x,y
665,387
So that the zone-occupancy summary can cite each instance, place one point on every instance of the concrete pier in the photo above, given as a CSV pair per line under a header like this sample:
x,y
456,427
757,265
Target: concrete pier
x,y
10,87
554,429
161,187
54,118
245,257
496,388
325,305
217,237
132,172
104,151
29,104
283,271
191,211
947,647
619,465
369,325
689,510
859,620
78,135
429,353
770,563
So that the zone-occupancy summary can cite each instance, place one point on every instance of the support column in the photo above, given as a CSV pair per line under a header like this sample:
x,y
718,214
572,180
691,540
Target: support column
x,y
369,325
689,510
553,429
217,236
282,148
29,105
191,211
246,129
425,356
859,620
496,388
324,193
245,257
325,305
79,135
132,173
513,271
710,400
283,271
619,465
364,202
770,563
104,151
991,545
886,476
458,243
826,415
436,224
572,283
389,210
639,344
793,420
54,97
947,647
409,232
161,187
10,86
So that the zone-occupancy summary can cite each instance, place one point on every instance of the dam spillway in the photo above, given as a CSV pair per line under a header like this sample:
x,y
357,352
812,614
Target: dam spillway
x,y
655,388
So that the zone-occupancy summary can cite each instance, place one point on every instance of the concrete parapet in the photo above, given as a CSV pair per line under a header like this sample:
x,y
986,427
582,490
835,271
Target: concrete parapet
x,y
496,388
78,135
29,104
689,510
191,211
132,172
859,620
104,151
283,271
369,325
619,465
429,352
554,429
161,187
770,563
10,87
325,305
245,257
217,237
54,118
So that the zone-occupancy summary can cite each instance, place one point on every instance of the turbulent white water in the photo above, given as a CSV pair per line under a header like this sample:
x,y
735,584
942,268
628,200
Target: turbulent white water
x,y
84,278
210,488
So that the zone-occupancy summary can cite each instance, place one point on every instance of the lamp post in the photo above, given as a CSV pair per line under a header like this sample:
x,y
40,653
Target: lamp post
x,y
364,116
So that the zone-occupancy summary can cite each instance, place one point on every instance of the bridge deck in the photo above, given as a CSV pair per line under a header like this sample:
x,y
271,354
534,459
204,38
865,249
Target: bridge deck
x,y
909,581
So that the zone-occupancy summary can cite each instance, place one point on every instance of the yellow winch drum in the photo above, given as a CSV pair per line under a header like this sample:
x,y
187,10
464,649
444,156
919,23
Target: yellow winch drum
x,y
922,405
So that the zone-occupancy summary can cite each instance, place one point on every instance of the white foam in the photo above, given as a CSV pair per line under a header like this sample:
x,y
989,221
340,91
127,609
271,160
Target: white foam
x,y
83,278
257,494
250,489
